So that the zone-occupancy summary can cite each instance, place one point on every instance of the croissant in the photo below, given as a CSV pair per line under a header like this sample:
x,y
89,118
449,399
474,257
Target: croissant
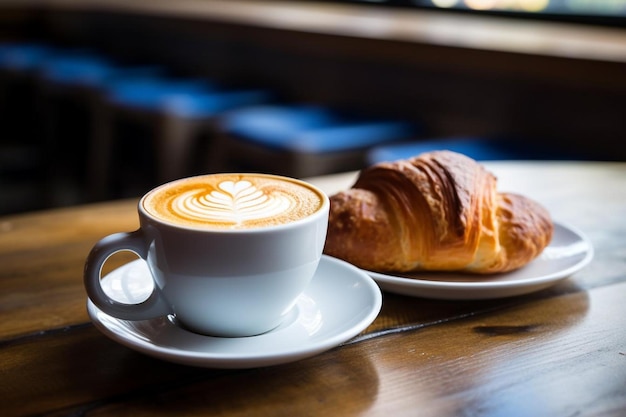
x,y
439,211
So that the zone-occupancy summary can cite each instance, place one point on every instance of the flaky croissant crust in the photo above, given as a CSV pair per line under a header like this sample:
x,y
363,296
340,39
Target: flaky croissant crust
x,y
439,211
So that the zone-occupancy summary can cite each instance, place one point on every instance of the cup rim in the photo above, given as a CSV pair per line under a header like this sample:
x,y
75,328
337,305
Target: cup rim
x,y
323,210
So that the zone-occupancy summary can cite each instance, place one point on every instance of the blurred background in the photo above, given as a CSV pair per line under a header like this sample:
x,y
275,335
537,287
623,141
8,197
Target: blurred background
x,y
105,99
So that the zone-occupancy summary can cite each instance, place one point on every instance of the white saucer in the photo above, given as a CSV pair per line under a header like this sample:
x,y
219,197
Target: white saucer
x,y
340,302
568,252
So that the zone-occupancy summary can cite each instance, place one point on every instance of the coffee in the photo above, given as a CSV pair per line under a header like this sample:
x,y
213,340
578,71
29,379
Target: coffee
x,y
232,201
229,254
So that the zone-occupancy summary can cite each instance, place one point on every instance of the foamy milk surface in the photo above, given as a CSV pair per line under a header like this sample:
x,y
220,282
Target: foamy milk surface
x,y
232,201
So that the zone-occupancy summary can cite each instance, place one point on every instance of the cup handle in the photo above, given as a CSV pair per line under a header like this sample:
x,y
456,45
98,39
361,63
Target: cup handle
x,y
154,306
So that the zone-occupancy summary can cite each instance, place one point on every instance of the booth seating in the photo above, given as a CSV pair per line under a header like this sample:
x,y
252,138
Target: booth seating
x,y
22,154
19,106
21,57
71,85
176,112
301,140
49,99
478,148
82,103
19,62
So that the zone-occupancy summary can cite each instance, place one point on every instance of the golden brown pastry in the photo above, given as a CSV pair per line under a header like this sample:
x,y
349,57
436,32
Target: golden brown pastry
x,y
439,211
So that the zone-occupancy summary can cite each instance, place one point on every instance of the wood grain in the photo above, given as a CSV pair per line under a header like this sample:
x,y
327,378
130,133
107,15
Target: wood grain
x,y
42,257
561,351
530,358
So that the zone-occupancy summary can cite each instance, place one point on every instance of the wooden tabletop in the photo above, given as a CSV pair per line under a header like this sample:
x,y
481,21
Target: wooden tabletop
x,y
559,351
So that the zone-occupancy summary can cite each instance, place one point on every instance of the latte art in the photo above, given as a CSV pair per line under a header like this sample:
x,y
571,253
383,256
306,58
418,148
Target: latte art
x,y
238,201
234,202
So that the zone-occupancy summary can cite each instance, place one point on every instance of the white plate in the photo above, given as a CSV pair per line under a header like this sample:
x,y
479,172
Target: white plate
x,y
340,302
568,252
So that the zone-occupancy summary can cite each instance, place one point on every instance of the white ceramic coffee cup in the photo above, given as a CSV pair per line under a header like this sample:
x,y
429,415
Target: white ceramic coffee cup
x,y
216,281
